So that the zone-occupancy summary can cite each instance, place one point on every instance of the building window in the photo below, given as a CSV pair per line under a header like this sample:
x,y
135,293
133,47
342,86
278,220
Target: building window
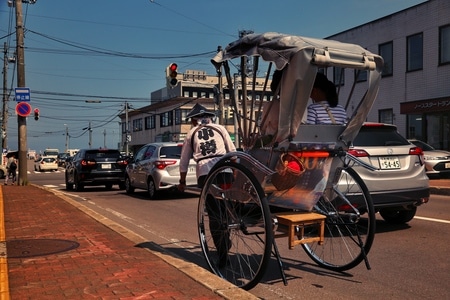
x,y
386,51
360,75
414,127
124,126
137,125
338,76
178,117
386,116
166,119
444,44
150,122
414,52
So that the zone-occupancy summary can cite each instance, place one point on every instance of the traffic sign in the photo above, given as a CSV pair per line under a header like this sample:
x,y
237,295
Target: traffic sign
x,y
23,109
22,94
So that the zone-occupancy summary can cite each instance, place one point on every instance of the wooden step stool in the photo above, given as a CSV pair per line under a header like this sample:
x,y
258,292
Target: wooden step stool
x,y
298,220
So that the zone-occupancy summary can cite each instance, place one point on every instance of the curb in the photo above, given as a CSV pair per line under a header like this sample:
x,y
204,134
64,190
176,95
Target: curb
x,y
436,190
211,281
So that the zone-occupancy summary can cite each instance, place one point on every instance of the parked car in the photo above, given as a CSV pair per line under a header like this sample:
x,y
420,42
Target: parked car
x,y
400,183
93,167
155,167
45,163
437,162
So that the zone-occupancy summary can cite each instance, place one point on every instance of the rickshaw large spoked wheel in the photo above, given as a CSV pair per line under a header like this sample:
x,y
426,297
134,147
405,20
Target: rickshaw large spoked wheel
x,y
349,226
234,224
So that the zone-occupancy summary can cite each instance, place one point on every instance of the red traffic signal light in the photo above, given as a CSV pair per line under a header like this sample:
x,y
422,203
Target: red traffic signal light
x,y
173,67
172,74
36,114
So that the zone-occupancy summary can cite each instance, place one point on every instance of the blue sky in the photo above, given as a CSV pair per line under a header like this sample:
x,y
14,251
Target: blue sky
x,y
116,51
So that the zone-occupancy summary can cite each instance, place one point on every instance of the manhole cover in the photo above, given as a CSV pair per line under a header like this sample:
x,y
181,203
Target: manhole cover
x,y
37,247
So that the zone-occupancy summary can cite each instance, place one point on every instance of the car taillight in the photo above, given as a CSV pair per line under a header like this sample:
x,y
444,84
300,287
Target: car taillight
x,y
87,163
122,163
161,164
358,153
419,152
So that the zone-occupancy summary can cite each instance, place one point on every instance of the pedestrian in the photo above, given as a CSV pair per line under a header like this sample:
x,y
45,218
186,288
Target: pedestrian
x,y
206,143
325,108
11,167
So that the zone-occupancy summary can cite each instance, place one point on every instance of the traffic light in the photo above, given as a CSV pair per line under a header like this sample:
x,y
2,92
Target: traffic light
x,y
36,114
172,75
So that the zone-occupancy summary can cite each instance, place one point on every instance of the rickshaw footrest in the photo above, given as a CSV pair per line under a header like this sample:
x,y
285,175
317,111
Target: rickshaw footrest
x,y
296,223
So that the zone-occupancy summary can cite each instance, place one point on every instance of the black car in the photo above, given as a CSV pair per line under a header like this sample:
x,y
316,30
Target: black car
x,y
61,159
93,167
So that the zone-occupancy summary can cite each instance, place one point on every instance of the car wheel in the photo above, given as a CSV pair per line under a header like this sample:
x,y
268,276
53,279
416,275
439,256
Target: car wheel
x,y
128,188
151,188
2,174
69,186
398,216
78,185
121,186
108,186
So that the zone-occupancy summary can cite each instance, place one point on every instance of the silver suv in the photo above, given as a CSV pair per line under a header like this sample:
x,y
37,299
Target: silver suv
x,y
400,184
155,167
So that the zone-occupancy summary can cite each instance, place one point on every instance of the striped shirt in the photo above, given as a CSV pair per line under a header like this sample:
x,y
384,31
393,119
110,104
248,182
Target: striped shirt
x,y
317,114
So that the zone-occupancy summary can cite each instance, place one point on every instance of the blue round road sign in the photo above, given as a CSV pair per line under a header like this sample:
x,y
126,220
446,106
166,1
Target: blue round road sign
x,y
23,109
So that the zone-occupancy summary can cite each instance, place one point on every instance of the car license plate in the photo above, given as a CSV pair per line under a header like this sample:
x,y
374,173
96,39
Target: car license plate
x,y
389,162
447,165
106,166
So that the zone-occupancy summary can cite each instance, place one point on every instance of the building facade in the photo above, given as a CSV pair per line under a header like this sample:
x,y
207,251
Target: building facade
x,y
415,86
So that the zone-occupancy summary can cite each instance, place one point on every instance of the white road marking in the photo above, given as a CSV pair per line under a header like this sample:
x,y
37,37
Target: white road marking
x,y
432,220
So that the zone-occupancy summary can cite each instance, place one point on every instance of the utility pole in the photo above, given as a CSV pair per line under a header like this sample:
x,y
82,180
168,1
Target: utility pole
x,y
127,133
67,139
220,95
21,121
90,135
5,99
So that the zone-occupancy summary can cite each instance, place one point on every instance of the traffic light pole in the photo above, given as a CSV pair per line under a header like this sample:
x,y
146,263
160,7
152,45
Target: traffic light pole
x,y
21,121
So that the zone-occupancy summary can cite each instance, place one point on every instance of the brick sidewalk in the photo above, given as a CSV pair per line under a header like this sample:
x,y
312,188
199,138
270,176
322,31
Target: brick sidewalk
x,y
56,251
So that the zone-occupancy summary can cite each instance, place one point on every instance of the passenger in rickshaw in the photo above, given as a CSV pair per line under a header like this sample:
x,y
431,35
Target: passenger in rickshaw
x,y
325,108
207,142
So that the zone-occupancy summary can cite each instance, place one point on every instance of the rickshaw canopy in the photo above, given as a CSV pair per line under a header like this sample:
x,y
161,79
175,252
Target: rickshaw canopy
x,y
300,58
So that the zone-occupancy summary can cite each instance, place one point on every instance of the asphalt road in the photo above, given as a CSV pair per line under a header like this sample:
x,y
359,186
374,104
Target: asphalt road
x,y
408,261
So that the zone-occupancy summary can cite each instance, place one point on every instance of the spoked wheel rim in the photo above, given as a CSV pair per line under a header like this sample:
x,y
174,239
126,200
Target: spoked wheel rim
x,y
234,218
349,227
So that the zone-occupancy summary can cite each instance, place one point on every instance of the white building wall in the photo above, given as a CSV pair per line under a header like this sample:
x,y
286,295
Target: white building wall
x,y
430,82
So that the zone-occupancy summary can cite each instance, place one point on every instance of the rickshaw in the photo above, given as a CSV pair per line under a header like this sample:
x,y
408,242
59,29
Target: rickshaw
x,y
297,182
